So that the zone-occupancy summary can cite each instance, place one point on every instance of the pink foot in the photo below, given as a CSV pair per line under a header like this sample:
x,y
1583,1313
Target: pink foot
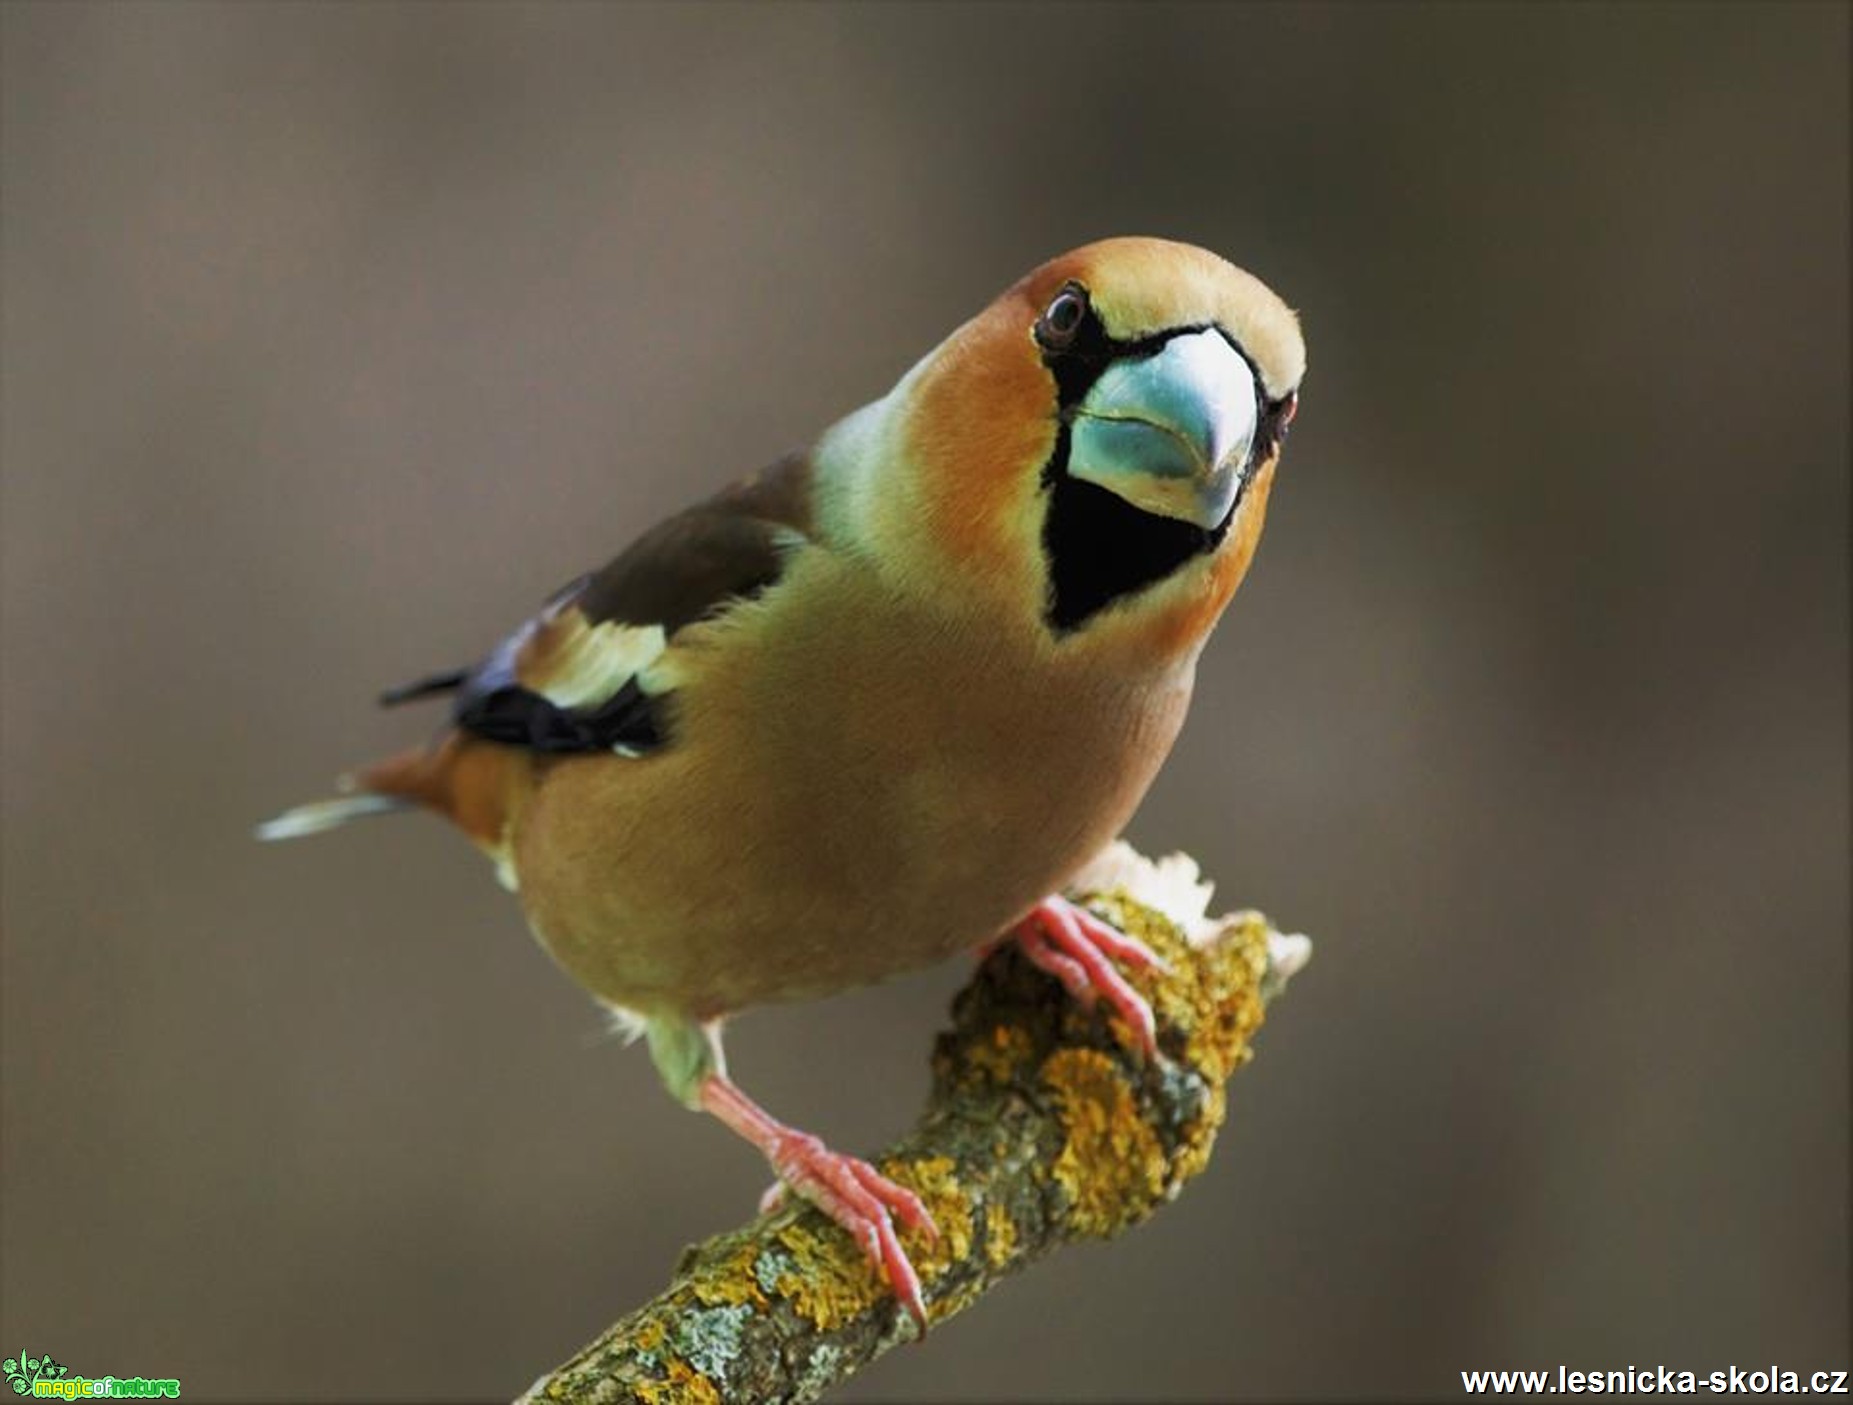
x,y
846,1188
1074,946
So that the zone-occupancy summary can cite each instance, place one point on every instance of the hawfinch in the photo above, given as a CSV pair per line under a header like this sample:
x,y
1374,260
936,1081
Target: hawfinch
x,y
873,705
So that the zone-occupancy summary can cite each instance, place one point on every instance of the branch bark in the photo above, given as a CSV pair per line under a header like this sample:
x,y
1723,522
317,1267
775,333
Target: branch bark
x,y
1045,1125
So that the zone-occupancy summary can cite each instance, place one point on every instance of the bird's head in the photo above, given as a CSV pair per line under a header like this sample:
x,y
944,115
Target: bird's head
x,y
1093,451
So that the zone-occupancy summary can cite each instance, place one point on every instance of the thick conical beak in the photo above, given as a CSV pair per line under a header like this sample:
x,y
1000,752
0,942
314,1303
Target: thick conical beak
x,y
1170,433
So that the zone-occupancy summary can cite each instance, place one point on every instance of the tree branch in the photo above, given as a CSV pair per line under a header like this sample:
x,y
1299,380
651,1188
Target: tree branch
x,y
1044,1125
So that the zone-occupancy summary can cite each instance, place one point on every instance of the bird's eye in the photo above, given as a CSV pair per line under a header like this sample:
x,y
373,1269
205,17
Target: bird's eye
x,y
1059,325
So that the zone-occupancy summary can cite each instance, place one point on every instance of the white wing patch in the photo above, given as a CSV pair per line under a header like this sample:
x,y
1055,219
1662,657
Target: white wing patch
x,y
574,664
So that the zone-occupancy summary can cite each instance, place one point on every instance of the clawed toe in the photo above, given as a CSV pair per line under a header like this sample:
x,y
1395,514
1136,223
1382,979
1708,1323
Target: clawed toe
x,y
846,1188
1079,949
863,1201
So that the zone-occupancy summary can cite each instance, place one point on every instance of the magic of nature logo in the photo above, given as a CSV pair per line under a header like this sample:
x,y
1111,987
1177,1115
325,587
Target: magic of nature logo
x,y
45,1379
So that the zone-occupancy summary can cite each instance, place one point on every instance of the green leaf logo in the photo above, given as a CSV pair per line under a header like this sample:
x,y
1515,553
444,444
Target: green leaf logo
x,y
22,1371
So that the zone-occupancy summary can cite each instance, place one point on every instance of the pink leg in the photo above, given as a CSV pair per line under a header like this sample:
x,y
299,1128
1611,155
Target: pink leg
x,y
1074,946
846,1188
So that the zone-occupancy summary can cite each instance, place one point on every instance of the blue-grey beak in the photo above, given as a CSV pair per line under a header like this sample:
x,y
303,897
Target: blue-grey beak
x,y
1171,433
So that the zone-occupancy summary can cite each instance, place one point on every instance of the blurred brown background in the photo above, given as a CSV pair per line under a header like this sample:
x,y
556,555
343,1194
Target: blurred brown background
x,y
335,337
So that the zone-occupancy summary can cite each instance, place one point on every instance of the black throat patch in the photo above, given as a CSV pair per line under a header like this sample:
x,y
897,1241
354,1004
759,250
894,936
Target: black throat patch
x,y
1101,548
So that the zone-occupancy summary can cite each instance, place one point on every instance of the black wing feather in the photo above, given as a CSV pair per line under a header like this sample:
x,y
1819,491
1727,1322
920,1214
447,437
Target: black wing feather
x,y
688,568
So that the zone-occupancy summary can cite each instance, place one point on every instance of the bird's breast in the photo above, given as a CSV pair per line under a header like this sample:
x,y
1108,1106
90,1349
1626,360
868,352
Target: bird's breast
x,y
856,787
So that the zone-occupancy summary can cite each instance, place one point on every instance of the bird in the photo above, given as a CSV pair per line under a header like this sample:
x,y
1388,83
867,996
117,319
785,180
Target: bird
x,y
873,705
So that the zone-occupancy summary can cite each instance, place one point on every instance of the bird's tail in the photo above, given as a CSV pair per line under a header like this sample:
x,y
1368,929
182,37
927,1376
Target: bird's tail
x,y
320,815
402,782
471,783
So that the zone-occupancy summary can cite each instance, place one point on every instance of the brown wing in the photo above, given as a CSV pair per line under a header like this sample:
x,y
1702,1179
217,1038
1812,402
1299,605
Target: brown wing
x,y
567,680
728,547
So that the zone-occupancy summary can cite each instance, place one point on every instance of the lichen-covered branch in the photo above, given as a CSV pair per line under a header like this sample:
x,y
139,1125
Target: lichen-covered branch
x,y
1045,1125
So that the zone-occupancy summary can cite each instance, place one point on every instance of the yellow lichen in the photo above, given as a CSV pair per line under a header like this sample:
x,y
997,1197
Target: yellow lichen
x,y
955,1299
935,1181
650,1335
829,1281
1212,998
1111,1164
998,1057
682,1386
728,1280
1000,1235
1213,995
1199,1137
